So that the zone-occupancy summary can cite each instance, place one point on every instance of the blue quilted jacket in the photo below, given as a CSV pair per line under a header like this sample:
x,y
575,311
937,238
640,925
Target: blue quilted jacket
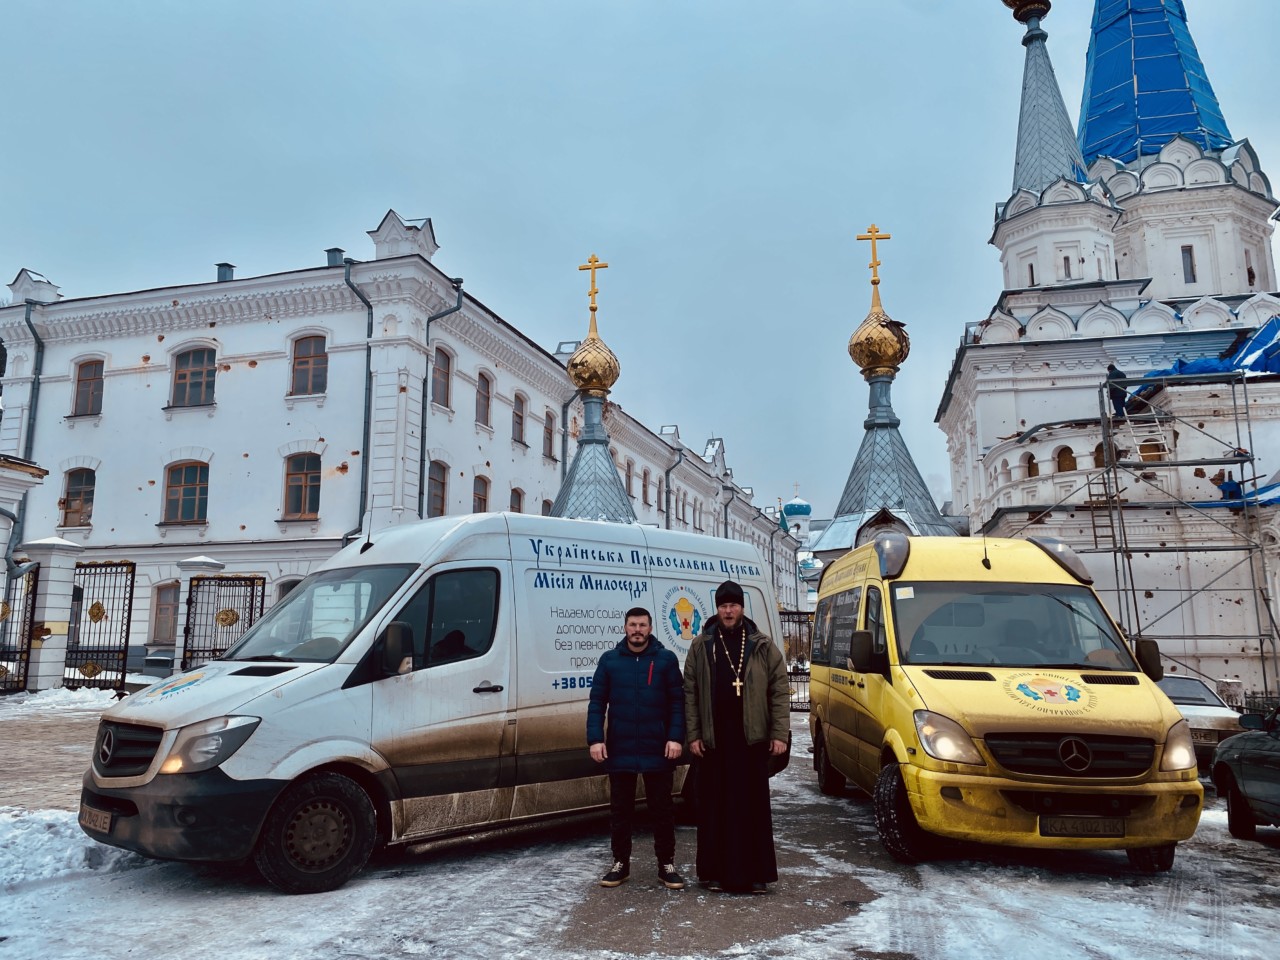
x,y
642,698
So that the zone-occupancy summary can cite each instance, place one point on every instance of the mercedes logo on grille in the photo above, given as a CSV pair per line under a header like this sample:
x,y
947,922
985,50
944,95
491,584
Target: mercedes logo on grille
x,y
106,747
1074,754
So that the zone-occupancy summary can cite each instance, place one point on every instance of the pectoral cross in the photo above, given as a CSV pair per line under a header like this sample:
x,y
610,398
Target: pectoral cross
x,y
737,686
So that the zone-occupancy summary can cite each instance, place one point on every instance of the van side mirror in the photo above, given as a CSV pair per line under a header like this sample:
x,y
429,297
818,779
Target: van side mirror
x,y
1148,652
397,643
860,651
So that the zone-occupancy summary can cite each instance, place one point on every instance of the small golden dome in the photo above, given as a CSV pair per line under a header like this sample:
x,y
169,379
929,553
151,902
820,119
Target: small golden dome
x,y
1024,10
593,368
880,344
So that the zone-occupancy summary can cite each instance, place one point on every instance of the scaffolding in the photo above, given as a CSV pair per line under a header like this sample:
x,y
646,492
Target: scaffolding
x,y
1165,430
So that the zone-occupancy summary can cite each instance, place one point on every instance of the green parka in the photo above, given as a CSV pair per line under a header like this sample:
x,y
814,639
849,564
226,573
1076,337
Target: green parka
x,y
766,692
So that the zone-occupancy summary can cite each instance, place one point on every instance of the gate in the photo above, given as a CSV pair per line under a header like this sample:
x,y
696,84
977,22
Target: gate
x,y
797,638
17,617
219,610
98,631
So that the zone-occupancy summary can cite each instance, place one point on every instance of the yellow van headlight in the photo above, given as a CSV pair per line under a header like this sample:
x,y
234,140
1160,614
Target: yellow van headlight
x,y
944,739
1179,751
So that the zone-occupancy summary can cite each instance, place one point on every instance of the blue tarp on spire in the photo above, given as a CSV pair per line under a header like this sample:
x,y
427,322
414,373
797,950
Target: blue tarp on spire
x,y
1145,84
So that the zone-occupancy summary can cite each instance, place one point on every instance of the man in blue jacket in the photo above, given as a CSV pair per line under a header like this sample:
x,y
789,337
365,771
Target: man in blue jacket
x,y
640,687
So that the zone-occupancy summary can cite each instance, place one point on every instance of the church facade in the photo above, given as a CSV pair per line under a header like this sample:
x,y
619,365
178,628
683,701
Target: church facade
x,y
1137,243
254,425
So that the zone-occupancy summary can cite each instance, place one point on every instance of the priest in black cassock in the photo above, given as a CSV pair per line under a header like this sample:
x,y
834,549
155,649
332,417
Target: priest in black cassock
x,y
738,715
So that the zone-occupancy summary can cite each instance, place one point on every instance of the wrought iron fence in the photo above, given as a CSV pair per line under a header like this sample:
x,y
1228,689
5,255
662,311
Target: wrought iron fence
x,y
219,610
98,630
799,681
17,618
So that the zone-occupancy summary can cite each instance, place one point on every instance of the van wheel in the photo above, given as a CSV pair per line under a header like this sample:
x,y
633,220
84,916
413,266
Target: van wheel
x,y
830,780
318,835
1241,823
1152,859
900,832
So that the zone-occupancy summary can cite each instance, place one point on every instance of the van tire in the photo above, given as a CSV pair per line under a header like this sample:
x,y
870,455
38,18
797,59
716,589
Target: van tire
x,y
900,833
830,780
1241,822
318,835
1152,859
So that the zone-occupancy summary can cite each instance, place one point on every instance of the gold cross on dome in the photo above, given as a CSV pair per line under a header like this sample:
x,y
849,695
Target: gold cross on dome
x,y
873,234
593,264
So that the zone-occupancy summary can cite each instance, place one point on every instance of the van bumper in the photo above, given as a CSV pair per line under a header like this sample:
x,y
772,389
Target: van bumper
x,y
185,816
1008,812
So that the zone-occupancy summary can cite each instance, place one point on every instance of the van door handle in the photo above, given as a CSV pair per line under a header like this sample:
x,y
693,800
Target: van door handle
x,y
491,688
859,683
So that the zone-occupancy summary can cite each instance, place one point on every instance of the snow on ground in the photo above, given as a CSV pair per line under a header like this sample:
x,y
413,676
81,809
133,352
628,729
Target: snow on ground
x,y
82,700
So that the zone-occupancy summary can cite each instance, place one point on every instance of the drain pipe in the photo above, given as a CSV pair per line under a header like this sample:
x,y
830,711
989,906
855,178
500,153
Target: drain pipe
x,y
368,402
29,442
727,489
667,476
426,398
564,434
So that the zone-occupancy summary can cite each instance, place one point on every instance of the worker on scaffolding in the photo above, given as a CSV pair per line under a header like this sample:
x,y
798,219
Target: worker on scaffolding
x,y
1118,394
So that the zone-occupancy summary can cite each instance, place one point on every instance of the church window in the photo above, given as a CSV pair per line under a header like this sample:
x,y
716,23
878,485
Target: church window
x,y
480,495
186,492
1250,275
437,480
310,366
1151,449
631,478
484,398
1066,460
193,377
662,503
549,436
1031,274
302,486
1066,268
1099,456
644,486
1100,276
164,621
546,508
517,500
518,406
441,368
77,501
1188,264
88,401
1033,468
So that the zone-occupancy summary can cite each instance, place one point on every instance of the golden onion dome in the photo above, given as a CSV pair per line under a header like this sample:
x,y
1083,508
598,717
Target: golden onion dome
x,y
880,344
593,368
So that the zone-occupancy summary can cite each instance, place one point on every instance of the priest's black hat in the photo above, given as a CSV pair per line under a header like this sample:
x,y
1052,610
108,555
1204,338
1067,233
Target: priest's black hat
x,y
729,592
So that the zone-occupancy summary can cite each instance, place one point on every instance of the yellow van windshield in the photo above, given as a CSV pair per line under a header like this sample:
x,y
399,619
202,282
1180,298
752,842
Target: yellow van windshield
x,y
1007,625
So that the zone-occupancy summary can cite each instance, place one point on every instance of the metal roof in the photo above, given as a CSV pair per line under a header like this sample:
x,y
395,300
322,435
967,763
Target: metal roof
x,y
1047,147
592,489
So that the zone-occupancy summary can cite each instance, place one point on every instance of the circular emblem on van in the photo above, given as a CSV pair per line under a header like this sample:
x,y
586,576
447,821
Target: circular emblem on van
x,y
108,746
174,685
1050,692
682,615
1074,754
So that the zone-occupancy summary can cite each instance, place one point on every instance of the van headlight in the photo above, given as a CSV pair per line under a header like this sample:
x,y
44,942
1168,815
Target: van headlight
x,y
944,739
1179,751
204,745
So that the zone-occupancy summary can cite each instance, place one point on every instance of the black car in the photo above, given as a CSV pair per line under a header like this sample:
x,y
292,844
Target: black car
x,y
1246,771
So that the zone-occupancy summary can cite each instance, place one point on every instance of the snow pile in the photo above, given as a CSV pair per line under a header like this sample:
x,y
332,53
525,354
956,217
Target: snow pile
x,y
48,844
83,700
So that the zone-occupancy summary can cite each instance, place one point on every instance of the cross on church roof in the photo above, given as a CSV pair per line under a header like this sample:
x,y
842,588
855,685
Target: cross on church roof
x,y
873,234
593,264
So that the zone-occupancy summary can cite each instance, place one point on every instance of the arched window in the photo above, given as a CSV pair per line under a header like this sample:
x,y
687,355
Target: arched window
x,y
284,588
517,418
88,401
193,377
1099,456
549,436
480,495
441,368
302,486
1152,449
310,366
517,500
484,398
546,508
631,478
644,486
437,483
662,501
164,617
77,500
186,492
1033,468
1066,460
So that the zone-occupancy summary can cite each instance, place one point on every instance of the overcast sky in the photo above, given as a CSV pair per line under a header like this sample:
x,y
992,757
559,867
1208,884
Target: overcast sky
x,y
720,155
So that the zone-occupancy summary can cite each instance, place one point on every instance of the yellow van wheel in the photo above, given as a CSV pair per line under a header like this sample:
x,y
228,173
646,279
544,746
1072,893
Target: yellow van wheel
x,y
830,780
900,832
1153,859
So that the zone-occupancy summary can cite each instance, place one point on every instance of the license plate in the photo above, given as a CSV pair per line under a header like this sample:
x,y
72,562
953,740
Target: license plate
x,y
1204,736
1082,826
93,819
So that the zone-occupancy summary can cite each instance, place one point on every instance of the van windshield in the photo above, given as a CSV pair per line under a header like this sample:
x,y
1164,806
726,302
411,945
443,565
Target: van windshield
x,y
320,615
1006,625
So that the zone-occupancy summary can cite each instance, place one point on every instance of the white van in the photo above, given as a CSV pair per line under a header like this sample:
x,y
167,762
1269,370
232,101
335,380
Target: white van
x,y
430,681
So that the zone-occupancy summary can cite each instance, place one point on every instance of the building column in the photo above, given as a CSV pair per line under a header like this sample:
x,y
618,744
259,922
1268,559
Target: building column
x,y
52,621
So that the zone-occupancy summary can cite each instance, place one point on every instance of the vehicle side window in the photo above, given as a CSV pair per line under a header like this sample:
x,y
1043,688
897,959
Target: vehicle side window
x,y
821,653
453,617
875,622
843,622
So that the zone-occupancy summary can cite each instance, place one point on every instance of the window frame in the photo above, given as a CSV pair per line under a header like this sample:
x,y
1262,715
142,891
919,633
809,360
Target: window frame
x,y
519,411
549,436
90,406
437,488
199,499
309,485
185,381
484,399
313,366
442,378
480,490
82,513
517,500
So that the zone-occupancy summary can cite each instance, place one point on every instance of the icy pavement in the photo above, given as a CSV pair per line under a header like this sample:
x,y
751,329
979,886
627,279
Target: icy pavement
x,y
534,895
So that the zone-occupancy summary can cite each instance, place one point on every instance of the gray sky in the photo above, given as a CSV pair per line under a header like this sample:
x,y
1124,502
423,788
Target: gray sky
x,y
720,155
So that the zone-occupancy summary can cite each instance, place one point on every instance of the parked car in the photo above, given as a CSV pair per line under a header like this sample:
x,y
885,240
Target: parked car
x,y
1208,715
1246,771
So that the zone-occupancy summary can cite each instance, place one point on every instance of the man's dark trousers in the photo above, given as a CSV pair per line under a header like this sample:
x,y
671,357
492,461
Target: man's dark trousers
x,y
622,808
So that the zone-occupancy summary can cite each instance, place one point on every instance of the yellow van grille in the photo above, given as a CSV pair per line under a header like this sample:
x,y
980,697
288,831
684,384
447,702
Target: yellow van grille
x,y
1086,755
